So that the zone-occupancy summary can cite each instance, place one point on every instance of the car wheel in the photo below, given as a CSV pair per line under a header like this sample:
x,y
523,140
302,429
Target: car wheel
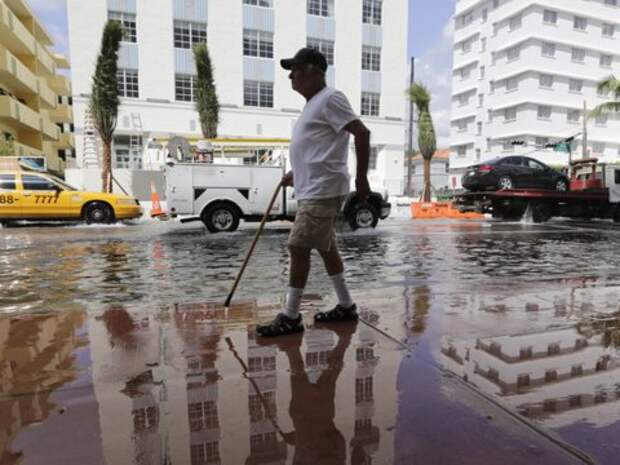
x,y
505,183
541,212
363,215
221,218
561,185
98,212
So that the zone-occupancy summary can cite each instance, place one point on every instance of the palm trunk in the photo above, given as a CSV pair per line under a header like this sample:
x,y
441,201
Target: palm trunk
x,y
426,197
106,172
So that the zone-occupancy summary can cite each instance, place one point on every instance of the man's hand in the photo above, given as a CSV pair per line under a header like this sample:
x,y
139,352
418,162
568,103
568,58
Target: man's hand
x,y
362,188
287,179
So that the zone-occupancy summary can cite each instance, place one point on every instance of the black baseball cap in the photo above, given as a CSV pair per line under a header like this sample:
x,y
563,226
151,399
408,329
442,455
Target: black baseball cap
x,y
305,56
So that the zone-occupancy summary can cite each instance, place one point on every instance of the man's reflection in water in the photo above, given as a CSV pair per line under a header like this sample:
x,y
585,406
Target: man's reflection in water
x,y
315,437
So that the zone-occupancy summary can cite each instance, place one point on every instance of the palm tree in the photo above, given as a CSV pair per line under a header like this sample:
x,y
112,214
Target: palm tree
x,y
207,104
104,100
427,141
610,85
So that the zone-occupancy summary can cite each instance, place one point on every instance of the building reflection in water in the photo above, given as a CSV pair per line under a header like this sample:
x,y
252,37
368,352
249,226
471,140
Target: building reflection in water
x,y
170,390
37,357
560,376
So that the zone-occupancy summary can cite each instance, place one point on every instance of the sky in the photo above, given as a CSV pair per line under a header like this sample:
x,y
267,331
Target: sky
x,y
430,42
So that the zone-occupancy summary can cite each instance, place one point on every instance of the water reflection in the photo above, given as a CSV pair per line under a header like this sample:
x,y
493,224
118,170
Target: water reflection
x,y
37,356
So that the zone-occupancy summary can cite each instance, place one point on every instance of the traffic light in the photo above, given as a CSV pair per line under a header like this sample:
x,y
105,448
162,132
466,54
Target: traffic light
x,y
518,142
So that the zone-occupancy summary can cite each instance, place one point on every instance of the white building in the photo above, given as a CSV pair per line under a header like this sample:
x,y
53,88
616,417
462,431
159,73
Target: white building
x,y
365,42
522,71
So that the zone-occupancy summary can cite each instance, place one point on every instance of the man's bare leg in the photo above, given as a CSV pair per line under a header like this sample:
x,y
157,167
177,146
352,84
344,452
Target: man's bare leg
x,y
298,277
335,270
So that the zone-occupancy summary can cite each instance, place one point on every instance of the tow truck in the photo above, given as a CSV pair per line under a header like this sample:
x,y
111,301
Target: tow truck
x,y
594,193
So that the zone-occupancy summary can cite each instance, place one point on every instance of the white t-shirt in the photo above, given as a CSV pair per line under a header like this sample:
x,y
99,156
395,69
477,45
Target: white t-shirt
x,y
319,146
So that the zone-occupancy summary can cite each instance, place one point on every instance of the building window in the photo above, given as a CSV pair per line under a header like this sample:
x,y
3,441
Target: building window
x,y
461,125
128,22
608,30
466,46
477,158
489,116
573,116
263,3
611,2
371,58
544,112
483,44
372,161
575,85
371,12
467,19
319,7
601,120
541,142
485,15
258,94
606,61
545,81
523,380
480,100
578,55
370,104
512,84
479,128
127,81
257,43
513,53
550,17
461,151
185,87
482,69
602,92
187,33
514,22
580,23
510,114
576,370
548,49
326,47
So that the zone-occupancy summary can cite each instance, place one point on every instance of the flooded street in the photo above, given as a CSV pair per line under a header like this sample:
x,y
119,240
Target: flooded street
x,y
481,343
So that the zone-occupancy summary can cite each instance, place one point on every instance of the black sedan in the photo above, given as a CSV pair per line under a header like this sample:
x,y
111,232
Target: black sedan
x,y
513,173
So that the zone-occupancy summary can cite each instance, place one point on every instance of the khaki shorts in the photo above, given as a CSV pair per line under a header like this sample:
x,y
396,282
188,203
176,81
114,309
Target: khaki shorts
x,y
315,221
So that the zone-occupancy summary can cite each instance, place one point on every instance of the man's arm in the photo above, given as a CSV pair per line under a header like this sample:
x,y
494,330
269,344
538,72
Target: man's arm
x,y
361,135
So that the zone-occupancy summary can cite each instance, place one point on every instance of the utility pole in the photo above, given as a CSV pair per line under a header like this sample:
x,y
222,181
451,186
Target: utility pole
x,y
584,138
409,154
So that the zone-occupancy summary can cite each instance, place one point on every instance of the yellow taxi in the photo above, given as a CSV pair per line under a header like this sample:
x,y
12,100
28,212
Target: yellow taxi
x,y
28,195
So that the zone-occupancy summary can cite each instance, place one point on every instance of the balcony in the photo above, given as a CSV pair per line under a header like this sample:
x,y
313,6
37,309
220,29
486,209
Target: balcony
x,y
60,84
65,141
45,59
48,97
62,114
18,115
49,130
15,75
23,150
14,34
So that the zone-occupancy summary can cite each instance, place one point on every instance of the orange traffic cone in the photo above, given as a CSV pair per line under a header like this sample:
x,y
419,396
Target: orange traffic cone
x,y
156,205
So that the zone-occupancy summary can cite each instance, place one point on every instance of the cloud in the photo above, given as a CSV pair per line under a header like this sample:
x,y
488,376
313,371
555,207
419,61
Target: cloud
x,y
434,69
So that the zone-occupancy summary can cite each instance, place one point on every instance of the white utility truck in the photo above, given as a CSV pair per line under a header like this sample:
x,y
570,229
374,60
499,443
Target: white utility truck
x,y
220,194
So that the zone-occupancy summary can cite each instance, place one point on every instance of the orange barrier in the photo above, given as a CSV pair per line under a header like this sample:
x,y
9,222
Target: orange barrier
x,y
156,205
435,210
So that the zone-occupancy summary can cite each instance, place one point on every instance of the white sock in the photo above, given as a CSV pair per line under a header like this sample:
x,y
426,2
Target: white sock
x,y
293,301
344,298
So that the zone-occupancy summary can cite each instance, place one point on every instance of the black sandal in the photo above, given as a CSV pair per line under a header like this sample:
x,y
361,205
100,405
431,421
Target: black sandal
x,y
281,326
338,313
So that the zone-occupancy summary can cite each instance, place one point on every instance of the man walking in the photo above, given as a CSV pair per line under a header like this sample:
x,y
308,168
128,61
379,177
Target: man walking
x,y
321,180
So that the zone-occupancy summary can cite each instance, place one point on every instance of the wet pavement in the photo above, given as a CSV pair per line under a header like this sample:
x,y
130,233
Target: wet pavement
x,y
481,343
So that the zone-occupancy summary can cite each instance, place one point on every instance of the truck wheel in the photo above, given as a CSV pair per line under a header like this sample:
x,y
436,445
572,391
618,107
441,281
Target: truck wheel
x,y
98,212
221,218
505,183
541,212
363,215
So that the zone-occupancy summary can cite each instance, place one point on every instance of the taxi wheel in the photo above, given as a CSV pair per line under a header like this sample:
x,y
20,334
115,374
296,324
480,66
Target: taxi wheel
x,y
98,212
